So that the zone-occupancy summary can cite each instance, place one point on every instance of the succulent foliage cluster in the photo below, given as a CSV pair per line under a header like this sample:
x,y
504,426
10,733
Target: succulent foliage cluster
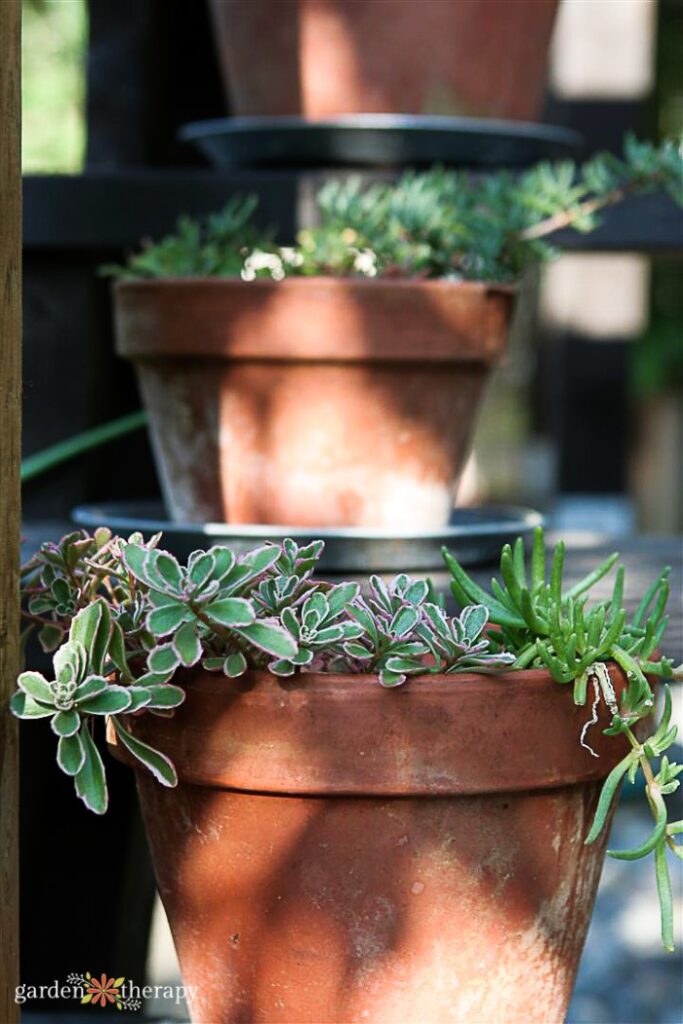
x,y
547,626
215,246
124,616
438,224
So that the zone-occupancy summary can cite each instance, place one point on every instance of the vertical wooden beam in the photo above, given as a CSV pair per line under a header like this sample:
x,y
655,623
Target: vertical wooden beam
x,y
10,425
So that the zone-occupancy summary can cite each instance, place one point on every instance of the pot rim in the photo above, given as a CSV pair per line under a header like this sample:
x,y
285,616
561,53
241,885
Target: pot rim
x,y
329,280
335,682
314,320
343,734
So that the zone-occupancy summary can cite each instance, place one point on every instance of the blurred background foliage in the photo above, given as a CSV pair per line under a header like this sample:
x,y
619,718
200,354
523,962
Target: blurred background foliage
x,y
55,35
657,363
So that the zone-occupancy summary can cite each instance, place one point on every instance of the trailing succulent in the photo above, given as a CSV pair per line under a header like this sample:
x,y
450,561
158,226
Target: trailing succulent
x,y
123,617
533,617
438,224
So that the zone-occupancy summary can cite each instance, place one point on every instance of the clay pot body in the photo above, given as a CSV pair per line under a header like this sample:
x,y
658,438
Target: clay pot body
x,y
311,401
336,852
318,58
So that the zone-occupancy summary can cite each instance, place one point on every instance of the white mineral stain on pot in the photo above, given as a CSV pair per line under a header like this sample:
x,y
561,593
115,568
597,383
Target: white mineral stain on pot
x,y
409,502
417,888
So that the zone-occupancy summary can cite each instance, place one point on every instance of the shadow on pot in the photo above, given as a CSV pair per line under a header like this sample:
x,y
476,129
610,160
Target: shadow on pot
x,y
335,852
312,401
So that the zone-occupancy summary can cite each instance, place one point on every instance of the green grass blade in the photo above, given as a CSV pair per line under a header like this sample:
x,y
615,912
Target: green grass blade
x,y
41,462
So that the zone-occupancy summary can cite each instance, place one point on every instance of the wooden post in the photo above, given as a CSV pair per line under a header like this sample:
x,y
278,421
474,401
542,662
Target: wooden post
x,y
10,425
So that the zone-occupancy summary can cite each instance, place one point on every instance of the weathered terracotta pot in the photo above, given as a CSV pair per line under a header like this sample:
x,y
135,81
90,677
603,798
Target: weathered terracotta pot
x,y
319,58
311,401
336,852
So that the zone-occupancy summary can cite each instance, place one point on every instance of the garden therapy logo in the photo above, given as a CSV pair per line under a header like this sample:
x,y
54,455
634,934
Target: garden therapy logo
x,y
105,991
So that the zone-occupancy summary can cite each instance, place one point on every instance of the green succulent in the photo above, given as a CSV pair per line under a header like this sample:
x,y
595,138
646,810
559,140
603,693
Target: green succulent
x,y
126,617
547,626
82,691
436,224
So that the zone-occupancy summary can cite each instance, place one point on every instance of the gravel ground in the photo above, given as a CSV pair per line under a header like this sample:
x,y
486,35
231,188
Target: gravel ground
x,y
625,976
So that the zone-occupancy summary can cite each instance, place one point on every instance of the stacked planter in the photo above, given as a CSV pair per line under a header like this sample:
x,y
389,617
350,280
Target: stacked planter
x,y
323,402
314,402
321,58
335,852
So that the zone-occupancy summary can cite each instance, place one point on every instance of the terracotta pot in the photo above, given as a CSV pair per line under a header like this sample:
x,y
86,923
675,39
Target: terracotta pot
x,y
319,58
337,852
311,401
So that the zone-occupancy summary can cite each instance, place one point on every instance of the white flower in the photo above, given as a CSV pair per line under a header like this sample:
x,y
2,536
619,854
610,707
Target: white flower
x,y
291,256
259,260
365,263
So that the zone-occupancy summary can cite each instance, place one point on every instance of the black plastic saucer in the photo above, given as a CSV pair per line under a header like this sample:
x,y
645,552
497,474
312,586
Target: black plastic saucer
x,y
377,140
474,535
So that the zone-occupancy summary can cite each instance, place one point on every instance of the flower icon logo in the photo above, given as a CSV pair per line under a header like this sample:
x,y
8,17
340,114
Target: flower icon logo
x,y
103,991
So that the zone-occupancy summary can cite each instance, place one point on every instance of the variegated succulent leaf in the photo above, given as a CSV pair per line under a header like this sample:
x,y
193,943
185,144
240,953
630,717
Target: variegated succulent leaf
x,y
322,620
405,634
298,561
277,593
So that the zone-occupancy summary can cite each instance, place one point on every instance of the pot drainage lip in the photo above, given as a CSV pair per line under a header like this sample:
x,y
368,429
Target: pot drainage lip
x,y
474,535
